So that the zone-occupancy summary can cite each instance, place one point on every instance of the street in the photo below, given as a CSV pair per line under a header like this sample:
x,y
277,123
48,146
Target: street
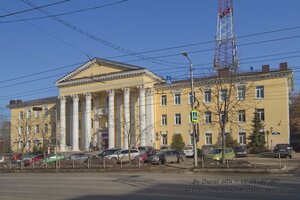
x,y
146,185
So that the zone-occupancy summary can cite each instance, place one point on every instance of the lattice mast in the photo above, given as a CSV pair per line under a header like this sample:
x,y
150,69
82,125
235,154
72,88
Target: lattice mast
x,y
226,51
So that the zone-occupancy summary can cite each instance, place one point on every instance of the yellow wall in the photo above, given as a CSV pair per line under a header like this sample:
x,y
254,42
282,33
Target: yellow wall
x,y
275,104
32,121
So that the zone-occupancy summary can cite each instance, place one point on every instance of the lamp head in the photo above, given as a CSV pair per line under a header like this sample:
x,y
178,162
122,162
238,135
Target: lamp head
x,y
184,54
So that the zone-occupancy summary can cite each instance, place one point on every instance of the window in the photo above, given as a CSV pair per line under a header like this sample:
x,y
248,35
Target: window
x,y
223,95
207,96
20,130
21,115
164,139
28,129
46,111
260,92
191,98
242,138
241,93
46,128
223,117
208,138
177,99
92,104
208,117
261,114
163,99
242,116
36,114
164,120
92,123
28,114
177,118
37,129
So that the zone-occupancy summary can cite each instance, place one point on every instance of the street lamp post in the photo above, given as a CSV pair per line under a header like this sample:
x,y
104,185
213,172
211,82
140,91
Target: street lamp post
x,y
192,107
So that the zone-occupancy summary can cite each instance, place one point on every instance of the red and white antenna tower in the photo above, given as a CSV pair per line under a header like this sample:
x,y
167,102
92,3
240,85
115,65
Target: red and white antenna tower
x,y
226,51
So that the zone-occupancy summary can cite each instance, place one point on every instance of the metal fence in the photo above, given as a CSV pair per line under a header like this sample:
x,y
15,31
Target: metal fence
x,y
99,163
264,160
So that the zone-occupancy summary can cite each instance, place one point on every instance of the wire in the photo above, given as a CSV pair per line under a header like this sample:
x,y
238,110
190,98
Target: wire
x,y
44,6
96,38
52,36
66,13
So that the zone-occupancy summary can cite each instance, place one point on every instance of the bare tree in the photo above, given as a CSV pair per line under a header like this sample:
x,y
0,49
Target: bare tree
x,y
24,130
226,95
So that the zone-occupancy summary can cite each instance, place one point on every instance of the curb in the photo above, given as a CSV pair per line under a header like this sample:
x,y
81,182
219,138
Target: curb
x,y
268,171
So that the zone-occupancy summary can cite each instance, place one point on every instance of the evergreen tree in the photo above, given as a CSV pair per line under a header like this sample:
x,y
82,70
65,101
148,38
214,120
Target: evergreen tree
x,y
257,138
177,142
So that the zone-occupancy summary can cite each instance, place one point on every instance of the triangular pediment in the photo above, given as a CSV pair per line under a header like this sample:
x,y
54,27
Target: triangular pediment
x,y
97,69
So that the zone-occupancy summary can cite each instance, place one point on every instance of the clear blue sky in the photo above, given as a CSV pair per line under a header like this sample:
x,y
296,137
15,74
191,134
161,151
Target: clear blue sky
x,y
136,25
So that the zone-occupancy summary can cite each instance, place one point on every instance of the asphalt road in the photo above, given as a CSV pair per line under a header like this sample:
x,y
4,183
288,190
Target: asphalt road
x,y
147,185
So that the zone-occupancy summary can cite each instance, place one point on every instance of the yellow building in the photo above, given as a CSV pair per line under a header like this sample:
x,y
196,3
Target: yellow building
x,y
110,104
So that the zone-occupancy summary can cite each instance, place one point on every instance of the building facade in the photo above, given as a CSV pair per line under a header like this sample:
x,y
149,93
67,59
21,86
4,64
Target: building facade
x,y
108,104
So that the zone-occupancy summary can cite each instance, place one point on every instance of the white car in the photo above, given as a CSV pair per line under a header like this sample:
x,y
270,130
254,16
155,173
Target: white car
x,y
188,151
123,155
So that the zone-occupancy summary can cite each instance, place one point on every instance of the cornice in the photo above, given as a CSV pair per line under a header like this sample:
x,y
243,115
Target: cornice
x,y
124,74
239,78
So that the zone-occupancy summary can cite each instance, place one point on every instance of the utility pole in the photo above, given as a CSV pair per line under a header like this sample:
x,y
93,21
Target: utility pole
x,y
192,108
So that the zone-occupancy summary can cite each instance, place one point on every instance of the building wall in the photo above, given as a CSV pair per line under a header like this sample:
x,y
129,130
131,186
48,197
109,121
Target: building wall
x,y
41,120
275,104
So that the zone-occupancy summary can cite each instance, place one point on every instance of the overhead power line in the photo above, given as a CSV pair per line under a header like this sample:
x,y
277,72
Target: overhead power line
x,y
66,13
93,37
23,11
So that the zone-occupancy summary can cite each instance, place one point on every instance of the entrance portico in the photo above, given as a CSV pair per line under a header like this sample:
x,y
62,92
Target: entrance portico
x,y
106,97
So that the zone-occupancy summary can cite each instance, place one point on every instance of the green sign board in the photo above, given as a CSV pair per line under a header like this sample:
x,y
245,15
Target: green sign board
x,y
195,116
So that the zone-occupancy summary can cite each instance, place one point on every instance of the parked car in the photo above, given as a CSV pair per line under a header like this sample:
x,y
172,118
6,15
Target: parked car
x,y
143,157
28,156
147,149
106,152
53,158
166,156
2,158
241,151
188,151
284,150
206,149
216,154
78,156
123,155
16,158
34,159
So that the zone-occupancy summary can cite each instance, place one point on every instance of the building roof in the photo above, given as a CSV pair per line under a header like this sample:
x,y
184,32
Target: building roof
x,y
19,104
242,76
127,70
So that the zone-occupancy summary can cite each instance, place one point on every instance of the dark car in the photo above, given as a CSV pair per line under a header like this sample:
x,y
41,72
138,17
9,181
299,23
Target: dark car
x,y
106,152
166,156
241,151
283,150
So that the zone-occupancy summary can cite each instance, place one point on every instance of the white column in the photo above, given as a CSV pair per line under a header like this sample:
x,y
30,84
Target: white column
x,y
111,119
142,116
126,117
75,137
62,136
150,117
87,118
